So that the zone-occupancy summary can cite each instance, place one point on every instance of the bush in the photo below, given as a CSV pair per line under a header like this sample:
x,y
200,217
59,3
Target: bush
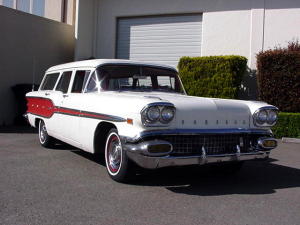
x,y
212,76
278,77
288,125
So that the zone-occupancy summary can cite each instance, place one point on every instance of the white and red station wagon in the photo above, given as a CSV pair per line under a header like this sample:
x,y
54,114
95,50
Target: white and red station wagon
x,y
138,114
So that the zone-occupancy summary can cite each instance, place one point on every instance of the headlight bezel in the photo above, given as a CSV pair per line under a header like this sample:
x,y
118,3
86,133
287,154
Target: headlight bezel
x,y
267,122
159,122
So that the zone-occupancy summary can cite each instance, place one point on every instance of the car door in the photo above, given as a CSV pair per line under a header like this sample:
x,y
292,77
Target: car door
x,y
49,98
71,107
88,123
63,118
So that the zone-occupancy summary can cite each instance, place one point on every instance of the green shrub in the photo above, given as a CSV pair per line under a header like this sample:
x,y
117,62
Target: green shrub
x,y
212,76
278,77
288,125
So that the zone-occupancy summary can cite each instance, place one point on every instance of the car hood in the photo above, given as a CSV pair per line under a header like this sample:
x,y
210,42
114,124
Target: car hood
x,y
199,112
194,112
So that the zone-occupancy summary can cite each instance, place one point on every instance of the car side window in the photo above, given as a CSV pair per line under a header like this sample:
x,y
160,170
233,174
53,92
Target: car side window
x,y
64,82
92,84
49,81
80,79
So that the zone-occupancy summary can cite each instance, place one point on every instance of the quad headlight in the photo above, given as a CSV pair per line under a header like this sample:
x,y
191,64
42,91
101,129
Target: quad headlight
x,y
167,114
264,117
158,114
152,114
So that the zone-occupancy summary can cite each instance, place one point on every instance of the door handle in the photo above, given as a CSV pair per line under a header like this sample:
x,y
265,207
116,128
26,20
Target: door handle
x,y
65,95
47,94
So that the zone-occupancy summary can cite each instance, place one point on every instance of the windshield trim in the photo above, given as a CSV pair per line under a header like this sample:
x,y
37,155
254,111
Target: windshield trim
x,y
171,69
132,64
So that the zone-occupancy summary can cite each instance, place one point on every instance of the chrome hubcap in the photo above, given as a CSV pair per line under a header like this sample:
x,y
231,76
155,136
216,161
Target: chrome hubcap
x,y
114,154
43,133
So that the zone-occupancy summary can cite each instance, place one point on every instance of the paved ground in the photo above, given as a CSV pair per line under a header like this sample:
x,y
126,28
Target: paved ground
x,y
40,186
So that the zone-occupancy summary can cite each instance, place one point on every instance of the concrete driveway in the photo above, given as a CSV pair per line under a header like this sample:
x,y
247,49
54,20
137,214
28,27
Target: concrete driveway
x,y
67,186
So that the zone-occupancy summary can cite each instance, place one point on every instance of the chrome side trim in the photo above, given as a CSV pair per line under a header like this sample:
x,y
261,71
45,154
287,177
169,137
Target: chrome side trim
x,y
194,132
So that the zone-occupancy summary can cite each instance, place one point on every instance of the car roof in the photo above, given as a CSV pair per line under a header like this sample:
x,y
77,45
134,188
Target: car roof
x,y
94,63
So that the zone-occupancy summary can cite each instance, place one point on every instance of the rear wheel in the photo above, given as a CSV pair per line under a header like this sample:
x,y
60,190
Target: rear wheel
x,y
118,166
44,138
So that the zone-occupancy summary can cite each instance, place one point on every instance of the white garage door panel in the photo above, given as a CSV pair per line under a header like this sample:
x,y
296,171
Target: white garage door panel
x,y
161,39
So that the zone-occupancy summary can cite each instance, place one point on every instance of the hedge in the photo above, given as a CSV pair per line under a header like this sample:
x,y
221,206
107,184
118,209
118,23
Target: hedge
x,y
288,125
278,77
212,76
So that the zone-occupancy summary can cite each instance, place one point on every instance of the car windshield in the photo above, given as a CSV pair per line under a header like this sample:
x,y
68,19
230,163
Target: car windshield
x,y
138,78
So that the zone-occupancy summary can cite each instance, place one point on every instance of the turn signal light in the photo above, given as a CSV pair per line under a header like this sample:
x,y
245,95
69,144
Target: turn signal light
x,y
267,143
159,148
130,121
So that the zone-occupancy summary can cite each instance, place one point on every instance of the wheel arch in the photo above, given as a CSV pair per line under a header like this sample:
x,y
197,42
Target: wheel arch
x,y
100,136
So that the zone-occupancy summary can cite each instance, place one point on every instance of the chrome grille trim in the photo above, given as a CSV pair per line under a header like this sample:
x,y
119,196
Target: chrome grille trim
x,y
163,132
214,144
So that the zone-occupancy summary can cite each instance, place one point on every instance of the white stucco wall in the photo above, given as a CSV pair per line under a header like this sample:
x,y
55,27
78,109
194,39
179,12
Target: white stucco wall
x,y
282,22
229,27
226,33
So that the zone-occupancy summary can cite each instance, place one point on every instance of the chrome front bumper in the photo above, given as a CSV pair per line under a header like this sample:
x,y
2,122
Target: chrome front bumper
x,y
136,149
150,162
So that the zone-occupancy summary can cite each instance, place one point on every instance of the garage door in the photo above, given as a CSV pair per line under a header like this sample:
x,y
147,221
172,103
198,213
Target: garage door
x,y
162,39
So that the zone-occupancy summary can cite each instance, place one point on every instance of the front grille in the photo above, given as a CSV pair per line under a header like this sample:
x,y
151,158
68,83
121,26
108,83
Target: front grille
x,y
214,144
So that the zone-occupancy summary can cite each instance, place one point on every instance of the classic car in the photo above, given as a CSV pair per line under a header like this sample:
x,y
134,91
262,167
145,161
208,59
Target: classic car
x,y
138,114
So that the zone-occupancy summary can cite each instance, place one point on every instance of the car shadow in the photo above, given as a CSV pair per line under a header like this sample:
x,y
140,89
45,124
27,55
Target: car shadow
x,y
97,158
255,177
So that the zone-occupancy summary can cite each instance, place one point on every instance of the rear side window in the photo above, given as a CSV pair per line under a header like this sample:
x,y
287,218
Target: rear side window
x,y
80,79
64,82
49,81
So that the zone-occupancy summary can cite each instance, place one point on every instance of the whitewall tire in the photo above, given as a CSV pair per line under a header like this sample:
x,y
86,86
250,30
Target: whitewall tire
x,y
118,166
45,140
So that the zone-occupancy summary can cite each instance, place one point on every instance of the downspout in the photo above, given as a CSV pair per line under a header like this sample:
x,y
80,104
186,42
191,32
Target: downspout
x,y
95,29
263,33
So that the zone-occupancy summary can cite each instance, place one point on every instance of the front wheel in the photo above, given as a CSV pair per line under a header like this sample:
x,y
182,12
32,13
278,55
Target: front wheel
x,y
118,166
45,140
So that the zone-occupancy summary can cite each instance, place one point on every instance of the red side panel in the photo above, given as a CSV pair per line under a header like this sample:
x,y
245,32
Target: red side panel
x,y
40,106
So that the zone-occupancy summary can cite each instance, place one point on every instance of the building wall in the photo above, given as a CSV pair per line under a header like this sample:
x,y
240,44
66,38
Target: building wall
x,y
229,27
51,9
71,8
24,39
282,22
86,20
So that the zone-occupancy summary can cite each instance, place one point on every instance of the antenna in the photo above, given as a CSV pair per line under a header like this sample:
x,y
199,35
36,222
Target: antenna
x,y
33,74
